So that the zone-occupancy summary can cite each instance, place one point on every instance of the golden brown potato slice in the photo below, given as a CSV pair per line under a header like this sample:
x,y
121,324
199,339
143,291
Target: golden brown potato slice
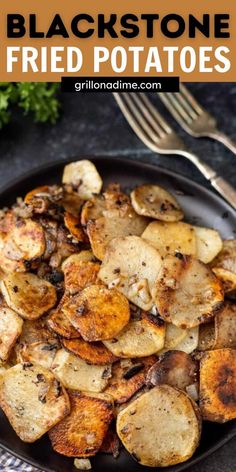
x,y
98,312
209,243
33,400
127,380
206,336
79,275
139,338
9,265
93,209
72,223
132,266
224,266
59,323
83,176
187,292
175,368
41,353
86,256
225,327
147,438
36,330
77,374
10,330
218,385
169,238
28,295
156,202
28,236
174,335
93,353
82,432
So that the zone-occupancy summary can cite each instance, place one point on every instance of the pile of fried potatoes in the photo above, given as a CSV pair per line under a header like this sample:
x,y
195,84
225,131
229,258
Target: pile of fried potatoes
x,y
117,321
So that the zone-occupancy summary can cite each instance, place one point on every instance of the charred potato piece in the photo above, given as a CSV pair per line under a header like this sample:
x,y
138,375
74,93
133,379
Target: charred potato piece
x,y
10,329
174,335
82,432
187,291
224,266
169,238
98,312
209,244
84,177
175,368
218,385
206,336
139,338
44,199
132,266
147,440
77,374
225,327
28,295
33,400
35,331
79,275
40,353
92,353
156,202
59,324
72,223
127,380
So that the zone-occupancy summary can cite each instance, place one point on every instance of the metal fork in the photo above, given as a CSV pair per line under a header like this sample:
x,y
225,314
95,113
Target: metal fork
x,y
157,134
193,118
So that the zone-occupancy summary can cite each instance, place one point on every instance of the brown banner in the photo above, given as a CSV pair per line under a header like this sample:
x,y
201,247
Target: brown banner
x,y
197,58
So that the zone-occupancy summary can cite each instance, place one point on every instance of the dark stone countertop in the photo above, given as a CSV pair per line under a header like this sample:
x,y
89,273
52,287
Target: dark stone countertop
x,y
92,124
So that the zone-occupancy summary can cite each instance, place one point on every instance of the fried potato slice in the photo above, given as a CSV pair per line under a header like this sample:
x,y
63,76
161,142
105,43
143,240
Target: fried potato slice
x,y
10,329
148,439
41,353
169,238
36,330
209,244
206,336
92,353
77,374
190,341
218,385
93,209
132,266
175,368
44,199
59,323
174,335
98,312
187,292
82,432
156,202
79,275
224,266
83,176
127,380
28,295
33,400
72,223
86,256
139,338
225,327
9,265
28,236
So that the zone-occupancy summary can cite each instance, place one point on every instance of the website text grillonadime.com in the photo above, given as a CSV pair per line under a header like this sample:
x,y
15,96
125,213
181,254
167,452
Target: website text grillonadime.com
x,y
117,86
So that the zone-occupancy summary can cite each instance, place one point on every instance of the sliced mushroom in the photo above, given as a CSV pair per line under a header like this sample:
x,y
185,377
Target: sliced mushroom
x,y
156,202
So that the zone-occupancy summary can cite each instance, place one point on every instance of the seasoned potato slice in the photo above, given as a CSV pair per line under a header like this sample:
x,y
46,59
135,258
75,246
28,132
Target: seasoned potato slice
x,y
59,323
206,336
10,330
9,265
187,292
77,374
93,209
132,266
175,368
190,341
40,353
224,266
225,327
218,385
86,256
127,380
28,236
98,312
209,244
35,331
92,353
33,400
83,176
80,274
72,223
174,335
82,432
139,338
169,238
28,295
156,202
147,438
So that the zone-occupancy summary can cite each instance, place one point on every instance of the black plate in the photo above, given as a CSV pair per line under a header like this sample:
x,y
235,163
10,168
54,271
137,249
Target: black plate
x,y
201,207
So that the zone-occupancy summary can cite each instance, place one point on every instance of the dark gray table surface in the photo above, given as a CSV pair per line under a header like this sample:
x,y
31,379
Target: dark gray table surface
x,y
92,124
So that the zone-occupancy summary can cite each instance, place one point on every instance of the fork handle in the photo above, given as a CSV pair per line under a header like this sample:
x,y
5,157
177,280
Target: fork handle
x,y
223,139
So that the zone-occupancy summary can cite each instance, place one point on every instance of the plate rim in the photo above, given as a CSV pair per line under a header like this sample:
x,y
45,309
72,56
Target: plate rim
x,y
139,164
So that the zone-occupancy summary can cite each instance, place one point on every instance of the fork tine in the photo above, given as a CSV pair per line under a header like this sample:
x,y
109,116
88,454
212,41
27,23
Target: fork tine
x,y
143,107
153,112
191,100
176,108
